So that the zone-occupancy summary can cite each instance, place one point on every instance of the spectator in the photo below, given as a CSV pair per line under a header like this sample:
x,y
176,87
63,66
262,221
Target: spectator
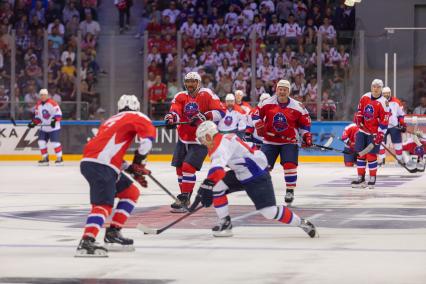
x,y
274,30
90,26
37,12
189,28
224,70
328,32
56,24
291,32
68,53
258,90
69,68
4,103
154,56
309,31
56,42
421,108
328,107
33,71
240,83
168,28
158,91
123,7
30,100
69,12
284,8
224,85
172,12
72,26
172,89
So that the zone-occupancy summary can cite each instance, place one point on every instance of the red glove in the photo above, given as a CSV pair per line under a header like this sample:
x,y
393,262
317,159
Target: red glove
x,y
170,120
378,138
139,171
209,115
307,140
260,128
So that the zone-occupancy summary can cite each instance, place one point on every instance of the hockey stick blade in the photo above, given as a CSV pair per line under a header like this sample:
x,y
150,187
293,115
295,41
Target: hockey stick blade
x,y
329,141
412,171
150,231
366,149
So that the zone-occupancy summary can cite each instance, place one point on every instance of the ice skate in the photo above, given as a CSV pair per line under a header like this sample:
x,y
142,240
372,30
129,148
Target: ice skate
x,y
289,197
59,162
223,228
185,201
308,227
114,240
359,183
372,182
44,161
89,248
421,165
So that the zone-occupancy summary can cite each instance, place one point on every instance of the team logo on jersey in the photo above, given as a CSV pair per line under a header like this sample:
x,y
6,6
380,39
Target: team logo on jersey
x,y
45,114
228,120
190,109
280,122
369,112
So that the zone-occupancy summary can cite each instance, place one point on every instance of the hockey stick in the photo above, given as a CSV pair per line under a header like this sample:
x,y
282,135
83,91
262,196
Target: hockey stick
x,y
151,231
174,124
399,162
168,192
25,125
417,133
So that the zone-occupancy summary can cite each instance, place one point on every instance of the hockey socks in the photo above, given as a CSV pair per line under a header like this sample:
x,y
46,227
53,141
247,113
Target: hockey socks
x,y
125,206
220,200
96,220
188,178
281,214
372,164
290,175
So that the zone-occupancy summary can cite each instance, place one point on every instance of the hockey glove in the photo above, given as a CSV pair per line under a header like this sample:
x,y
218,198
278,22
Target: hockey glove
x,y
53,123
32,124
170,119
206,192
359,120
403,127
197,119
139,171
260,128
378,138
307,140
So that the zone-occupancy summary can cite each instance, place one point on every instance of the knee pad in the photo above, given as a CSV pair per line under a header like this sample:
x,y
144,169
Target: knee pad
x,y
179,171
371,157
349,164
42,144
187,168
269,212
289,166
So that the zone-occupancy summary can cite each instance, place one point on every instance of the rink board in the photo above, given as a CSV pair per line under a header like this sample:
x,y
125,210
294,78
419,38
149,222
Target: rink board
x,y
20,143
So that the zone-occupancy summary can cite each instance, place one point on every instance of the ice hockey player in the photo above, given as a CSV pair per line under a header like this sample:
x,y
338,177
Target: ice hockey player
x,y
48,114
348,137
235,120
279,120
248,171
102,166
372,119
194,106
251,132
396,126
410,148
239,94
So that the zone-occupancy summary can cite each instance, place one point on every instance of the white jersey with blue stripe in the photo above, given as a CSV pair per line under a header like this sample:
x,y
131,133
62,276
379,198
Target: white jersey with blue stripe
x,y
231,151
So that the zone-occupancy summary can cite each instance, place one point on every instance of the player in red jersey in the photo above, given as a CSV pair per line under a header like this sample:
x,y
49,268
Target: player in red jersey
x,y
194,106
48,113
102,166
279,120
372,119
239,94
348,137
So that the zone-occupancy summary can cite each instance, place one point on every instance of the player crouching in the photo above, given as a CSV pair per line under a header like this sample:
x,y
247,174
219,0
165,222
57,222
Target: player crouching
x,y
102,167
249,172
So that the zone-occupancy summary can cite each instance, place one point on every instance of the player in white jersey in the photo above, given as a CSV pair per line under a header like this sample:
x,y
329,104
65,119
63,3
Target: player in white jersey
x,y
234,120
396,126
248,171
48,114
251,132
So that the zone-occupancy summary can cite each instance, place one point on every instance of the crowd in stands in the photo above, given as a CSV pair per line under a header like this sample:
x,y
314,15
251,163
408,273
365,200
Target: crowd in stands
x,y
62,20
216,43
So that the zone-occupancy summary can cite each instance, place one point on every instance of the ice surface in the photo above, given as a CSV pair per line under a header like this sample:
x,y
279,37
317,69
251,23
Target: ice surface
x,y
366,236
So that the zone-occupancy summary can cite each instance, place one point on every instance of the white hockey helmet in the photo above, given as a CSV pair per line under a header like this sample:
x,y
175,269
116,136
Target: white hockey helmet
x,y
264,96
43,92
377,82
193,76
284,83
130,102
386,90
230,97
207,127
239,93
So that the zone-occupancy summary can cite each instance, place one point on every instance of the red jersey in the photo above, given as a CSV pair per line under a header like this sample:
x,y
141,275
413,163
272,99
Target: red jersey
x,y
186,106
115,136
158,92
349,134
373,113
246,107
282,121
